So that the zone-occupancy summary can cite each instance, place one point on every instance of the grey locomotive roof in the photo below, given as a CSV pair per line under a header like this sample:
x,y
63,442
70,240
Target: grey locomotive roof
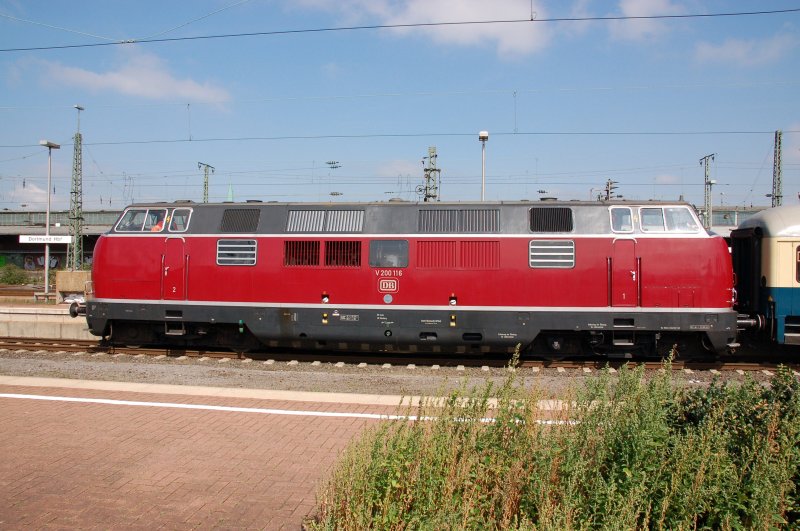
x,y
396,217
775,222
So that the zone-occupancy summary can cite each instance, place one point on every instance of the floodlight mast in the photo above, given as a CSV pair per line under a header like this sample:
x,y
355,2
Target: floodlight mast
x,y
483,136
50,147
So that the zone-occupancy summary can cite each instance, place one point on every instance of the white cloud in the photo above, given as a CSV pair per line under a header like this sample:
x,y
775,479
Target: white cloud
x,y
510,39
142,75
790,148
643,29
667,179
750,52
399,169
331,69
32,196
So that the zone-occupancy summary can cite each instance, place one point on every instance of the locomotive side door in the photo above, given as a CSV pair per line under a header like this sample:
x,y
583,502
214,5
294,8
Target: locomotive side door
x,y
173,278
624,273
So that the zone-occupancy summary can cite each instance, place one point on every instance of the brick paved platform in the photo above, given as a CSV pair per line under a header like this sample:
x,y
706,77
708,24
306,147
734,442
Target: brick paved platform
x,y
129,465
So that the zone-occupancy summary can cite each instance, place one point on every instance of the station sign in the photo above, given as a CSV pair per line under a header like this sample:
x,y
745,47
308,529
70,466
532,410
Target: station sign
x,y
41,238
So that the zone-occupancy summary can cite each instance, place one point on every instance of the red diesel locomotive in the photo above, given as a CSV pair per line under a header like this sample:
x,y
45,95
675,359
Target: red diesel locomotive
x,y
555,277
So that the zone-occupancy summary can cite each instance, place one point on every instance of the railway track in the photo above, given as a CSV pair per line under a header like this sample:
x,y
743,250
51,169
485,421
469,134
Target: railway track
x,y
738,364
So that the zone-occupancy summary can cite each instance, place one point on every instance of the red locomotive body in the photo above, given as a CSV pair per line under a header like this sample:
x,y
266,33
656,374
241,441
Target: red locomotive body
x,y
560,277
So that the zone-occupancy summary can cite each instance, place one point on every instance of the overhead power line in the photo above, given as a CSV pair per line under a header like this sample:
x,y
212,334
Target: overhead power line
x,y
409,135
401,26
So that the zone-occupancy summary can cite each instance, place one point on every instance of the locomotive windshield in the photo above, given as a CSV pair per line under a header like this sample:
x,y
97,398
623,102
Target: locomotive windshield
x,y
671,219
154,220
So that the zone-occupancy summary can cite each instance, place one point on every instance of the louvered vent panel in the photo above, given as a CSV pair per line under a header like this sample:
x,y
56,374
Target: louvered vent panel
x,y
345,221
480,255
342,254
552,254
305,221
301,253
480,220
240,220
551,219
450,221
236,252
436,255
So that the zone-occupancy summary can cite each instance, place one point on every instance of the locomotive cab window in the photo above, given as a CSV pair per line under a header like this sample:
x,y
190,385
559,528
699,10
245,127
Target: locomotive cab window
x,y
155,220
621,219
388,253
652,219
145,219
180,219
680,219
668,219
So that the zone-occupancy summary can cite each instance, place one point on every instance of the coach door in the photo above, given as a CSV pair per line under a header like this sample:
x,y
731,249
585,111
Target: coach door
x,y
624,273
173,280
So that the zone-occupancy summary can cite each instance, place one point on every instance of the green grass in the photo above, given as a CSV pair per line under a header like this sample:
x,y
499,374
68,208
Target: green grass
x,y
628,452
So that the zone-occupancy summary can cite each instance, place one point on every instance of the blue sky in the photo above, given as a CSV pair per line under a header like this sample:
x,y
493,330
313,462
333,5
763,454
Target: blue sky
x,y
567,104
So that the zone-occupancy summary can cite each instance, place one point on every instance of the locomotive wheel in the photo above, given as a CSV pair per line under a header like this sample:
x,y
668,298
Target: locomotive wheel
x,y
686,347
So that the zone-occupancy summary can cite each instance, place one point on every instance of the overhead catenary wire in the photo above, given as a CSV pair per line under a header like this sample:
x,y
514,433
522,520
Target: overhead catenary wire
x,y
409,135
443,94
273,33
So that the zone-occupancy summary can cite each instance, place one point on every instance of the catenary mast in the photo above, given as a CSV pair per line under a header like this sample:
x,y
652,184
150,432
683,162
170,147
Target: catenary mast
x,y
75,254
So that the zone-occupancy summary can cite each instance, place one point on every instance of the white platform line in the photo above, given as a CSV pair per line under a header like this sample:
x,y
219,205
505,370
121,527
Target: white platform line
x,y
209,407
234,409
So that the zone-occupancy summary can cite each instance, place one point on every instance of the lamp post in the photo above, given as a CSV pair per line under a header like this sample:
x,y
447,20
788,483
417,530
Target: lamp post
x,y
50,147
483,136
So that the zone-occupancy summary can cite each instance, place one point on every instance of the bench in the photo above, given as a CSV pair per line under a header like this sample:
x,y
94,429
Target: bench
x,y
42,296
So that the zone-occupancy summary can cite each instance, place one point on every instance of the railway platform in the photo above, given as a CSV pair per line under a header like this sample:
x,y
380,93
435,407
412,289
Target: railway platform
x,y
47,321
90,455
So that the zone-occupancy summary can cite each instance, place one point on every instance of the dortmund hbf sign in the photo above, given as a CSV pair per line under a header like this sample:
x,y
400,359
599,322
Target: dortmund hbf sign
x,y
41,238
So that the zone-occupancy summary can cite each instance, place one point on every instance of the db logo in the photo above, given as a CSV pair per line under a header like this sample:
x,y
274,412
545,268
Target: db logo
x,y
387,285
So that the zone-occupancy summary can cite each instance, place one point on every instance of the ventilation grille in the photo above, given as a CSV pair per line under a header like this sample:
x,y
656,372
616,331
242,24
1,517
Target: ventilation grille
x,y
301,253
236,252
305,221
458,255
342,254
345,221
551,219
436,255
240,220
449,221
325,221
480,255
552,254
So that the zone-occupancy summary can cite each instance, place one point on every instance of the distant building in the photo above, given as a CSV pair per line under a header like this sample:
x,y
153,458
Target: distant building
x,y
725,218
13,224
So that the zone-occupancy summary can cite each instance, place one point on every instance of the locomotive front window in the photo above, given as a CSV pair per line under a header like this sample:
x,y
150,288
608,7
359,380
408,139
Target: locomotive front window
x,y
680,219
652,219
155,220
621,219
138,220
388,253
180,220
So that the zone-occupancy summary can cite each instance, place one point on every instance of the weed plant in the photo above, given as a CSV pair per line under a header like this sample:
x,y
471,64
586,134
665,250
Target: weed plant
x,y
14,275
624,452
